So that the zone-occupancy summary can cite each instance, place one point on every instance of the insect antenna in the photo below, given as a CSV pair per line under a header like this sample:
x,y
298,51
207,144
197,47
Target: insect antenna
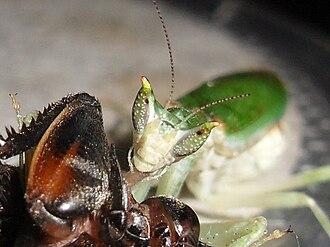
x,y
17,108
217,102
289,230
276,234
170,53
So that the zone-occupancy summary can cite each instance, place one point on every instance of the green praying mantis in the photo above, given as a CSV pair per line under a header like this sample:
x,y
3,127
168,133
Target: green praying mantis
x,y
206,147
223,146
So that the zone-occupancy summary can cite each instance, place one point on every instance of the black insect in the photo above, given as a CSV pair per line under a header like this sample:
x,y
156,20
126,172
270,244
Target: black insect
x,y
75,194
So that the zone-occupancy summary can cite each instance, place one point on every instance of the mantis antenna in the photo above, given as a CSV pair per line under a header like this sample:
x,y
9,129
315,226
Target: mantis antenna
x,y
217,102
170,53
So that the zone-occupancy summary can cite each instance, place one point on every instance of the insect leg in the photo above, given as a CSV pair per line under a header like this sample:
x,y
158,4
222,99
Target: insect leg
x,y
228,198
237,233
173,180
114,217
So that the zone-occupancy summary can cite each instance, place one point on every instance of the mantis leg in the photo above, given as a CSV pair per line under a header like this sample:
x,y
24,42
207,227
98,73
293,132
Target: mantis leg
x,y
239,233
169,183
275,196
277,200
173,180
233,233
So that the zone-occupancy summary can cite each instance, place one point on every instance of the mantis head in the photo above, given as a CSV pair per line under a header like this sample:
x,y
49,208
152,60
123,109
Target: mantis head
x,y
163,135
